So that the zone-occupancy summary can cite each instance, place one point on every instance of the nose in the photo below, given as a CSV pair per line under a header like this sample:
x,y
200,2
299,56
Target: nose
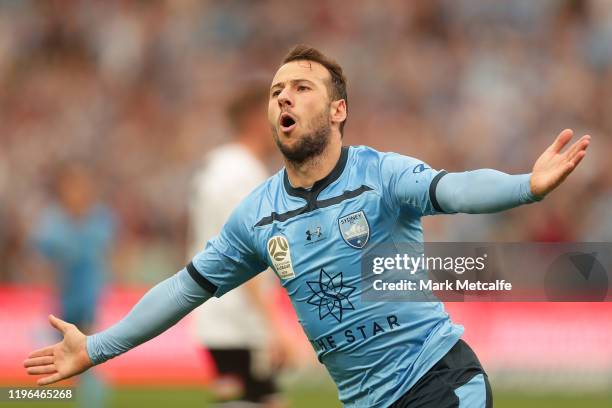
x,y
284,99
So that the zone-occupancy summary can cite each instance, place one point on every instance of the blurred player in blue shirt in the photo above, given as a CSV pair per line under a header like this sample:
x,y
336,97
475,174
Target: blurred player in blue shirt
x,y
311,223
74,234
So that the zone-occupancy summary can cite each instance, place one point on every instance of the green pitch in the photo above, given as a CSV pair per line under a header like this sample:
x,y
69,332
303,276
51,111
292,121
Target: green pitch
x,y
323,397
327,398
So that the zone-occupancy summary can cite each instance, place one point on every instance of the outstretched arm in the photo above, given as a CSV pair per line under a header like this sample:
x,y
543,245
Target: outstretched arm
x,y
486,191
159,309
481,191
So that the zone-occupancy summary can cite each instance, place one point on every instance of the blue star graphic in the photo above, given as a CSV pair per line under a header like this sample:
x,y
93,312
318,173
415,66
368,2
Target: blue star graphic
x,y
331,295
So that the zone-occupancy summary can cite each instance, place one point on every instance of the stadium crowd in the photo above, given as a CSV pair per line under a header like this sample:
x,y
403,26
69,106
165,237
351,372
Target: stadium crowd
x,y
137,89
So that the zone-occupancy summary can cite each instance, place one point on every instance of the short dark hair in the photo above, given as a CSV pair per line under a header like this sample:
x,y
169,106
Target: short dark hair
x,y
252,98
337,86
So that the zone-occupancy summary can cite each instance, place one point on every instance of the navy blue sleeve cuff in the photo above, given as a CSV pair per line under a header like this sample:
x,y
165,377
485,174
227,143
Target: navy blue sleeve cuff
x,y
201,280
432,191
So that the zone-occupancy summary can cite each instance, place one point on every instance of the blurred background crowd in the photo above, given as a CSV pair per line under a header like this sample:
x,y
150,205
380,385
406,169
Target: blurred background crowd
x,y
136,90
107,110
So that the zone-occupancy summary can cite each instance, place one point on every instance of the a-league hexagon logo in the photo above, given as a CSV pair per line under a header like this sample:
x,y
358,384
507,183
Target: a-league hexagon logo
x,y
280,255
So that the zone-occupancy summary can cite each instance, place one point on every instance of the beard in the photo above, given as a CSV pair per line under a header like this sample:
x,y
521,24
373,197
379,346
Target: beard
x,y
311,144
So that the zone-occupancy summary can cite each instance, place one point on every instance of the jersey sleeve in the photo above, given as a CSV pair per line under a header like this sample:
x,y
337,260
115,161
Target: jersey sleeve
x,y
483,191
410,184
158,310
229,259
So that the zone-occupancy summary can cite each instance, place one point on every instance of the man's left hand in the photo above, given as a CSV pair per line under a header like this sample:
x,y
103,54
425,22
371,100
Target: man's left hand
x,y
553,166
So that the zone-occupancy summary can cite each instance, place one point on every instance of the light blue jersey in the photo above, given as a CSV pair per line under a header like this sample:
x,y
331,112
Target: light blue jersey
x,y
78,249
313,240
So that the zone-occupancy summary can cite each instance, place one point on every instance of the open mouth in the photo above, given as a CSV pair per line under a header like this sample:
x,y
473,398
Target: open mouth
x,y
287,122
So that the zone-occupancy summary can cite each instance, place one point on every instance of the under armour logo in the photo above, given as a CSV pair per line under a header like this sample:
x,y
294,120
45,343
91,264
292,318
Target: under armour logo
x,y
315,232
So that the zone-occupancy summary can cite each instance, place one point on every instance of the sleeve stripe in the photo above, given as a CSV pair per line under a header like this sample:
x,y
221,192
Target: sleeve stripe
x,y
432,191
201,280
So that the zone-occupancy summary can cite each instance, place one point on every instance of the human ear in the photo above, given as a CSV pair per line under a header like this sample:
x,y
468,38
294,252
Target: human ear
x,y
337,111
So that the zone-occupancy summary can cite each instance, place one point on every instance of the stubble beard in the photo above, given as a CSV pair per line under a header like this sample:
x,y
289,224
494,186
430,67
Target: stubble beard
x,y
311,145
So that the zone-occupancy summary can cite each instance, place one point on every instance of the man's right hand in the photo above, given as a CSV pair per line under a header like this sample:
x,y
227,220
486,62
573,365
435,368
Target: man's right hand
x,y
62,360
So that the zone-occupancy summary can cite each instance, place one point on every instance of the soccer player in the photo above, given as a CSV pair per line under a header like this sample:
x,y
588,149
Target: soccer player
x,y
242,346
310,223
75,234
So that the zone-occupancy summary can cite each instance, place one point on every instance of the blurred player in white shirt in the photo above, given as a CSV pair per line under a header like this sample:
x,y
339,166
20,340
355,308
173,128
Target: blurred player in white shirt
x,y
239,329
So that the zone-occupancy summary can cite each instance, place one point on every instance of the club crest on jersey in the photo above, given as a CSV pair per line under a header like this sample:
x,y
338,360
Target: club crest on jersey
x,y
355,229
280,254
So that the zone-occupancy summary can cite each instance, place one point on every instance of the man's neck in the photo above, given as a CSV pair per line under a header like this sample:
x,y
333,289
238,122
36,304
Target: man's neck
x,y
304,175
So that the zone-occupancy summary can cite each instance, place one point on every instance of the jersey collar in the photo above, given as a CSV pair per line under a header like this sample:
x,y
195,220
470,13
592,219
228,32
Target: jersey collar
x,y
310,195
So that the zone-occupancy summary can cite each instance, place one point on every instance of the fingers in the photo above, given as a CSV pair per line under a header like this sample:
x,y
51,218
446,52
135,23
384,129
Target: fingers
x,y
579,146
38,361
59,324
40,365
50,379
46,369
564,137
570,166
578,158
46,351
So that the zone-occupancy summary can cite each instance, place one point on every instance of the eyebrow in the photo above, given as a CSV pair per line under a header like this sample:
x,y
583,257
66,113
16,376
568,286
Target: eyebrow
x,y
293,82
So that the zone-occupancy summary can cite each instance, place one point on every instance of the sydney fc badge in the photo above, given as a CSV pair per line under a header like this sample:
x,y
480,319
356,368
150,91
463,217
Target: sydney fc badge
x,y
355,229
